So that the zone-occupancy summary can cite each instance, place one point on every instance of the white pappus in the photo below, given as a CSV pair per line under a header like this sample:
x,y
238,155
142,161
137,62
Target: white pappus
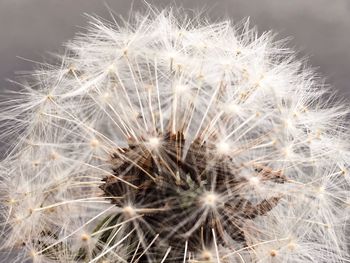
x,y
166,138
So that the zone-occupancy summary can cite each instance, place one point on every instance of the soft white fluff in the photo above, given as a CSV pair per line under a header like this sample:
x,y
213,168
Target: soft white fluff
x,y
242,93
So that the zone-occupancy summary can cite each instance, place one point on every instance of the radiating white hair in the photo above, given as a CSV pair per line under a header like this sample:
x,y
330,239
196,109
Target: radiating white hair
x,y
259,111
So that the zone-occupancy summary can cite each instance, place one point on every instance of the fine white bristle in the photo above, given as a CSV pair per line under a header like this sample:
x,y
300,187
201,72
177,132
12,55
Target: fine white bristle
x,y
256,157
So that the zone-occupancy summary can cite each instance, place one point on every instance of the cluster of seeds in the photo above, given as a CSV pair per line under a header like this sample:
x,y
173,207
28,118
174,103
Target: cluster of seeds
x,y
170,139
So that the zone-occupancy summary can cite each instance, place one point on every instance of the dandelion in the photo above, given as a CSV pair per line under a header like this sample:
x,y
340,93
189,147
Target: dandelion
x,y
170,139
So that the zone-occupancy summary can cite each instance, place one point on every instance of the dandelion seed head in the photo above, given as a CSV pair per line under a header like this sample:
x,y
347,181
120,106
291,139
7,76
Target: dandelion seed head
x,y
129,211
94,143
273,253
154,142
207,255
170,139
223,147
210,199
85,237
254,180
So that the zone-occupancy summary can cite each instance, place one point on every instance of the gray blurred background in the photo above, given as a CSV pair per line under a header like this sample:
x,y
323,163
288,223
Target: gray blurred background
x,y
320,28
